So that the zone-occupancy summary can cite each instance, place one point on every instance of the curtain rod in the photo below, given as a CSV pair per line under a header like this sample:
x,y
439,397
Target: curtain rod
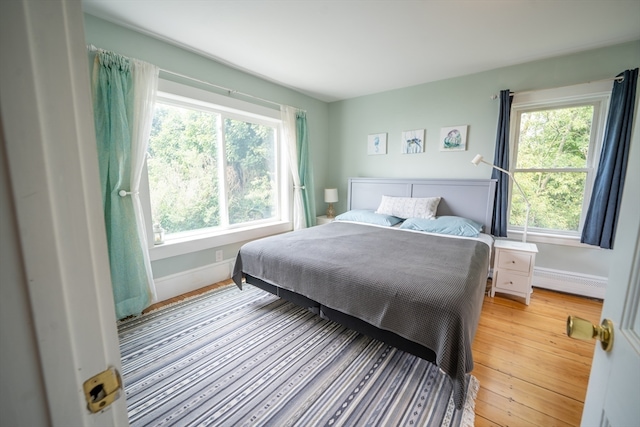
x,y
229,91
617,78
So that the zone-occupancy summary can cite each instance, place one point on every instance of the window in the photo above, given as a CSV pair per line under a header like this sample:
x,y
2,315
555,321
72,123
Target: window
x,y
213,170
557,136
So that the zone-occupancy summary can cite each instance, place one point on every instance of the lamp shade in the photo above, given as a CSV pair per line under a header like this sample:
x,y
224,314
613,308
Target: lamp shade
x,y
477,159
330,195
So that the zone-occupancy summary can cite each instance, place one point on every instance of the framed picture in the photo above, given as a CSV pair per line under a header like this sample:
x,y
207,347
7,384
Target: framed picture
x,y
413,141
377,144
453,138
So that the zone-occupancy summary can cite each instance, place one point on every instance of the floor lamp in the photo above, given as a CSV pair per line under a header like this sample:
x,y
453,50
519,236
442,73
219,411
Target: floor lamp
x,y
477,159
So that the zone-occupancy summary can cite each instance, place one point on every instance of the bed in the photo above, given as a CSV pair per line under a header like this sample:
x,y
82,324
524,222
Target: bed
x,y
421,292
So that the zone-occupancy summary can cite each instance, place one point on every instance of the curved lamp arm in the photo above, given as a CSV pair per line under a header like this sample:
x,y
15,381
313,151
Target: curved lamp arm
x,y
479,159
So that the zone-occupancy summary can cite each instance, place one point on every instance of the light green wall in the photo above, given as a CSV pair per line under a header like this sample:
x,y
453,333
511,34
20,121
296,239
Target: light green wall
x,y
462,101
108,36
338,131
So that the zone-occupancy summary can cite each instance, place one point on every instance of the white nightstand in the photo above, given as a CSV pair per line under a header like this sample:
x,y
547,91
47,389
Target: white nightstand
x,y
513,268
323,220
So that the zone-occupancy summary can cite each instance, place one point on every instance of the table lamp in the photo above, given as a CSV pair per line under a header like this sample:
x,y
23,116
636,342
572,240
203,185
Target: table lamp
x,y
331,197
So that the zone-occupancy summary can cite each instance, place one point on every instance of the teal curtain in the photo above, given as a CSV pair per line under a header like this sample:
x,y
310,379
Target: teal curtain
x,y
113,104
304,169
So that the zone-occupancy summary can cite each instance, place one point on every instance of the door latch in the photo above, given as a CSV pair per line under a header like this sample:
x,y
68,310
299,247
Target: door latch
x,y
102,390
584,330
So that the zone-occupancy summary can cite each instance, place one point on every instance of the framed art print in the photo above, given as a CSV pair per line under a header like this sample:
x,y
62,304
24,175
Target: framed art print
x,y
413,141
453,138
377,144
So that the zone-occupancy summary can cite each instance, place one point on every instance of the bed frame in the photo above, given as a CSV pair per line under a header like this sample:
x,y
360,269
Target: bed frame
x,y
471,199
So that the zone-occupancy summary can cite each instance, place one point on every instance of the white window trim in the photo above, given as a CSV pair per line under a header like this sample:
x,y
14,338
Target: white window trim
x,y
597,92
187,95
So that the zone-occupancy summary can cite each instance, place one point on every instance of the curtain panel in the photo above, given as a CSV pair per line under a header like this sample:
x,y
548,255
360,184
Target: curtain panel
x,y
123,96
304,168
501,159
604,207
290,140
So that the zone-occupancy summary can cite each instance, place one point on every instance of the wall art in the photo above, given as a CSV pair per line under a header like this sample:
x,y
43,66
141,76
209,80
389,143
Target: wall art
x,y
377,144
453,138
413,141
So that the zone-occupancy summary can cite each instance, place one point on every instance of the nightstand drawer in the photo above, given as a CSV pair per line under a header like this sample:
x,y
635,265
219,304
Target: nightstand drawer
x,y
513,268
511,281
514,260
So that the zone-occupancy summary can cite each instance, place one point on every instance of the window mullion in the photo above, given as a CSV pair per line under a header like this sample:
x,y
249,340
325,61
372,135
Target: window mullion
x,y
222,178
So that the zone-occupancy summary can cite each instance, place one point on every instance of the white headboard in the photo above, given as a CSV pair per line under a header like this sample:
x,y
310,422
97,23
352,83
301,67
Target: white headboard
x,y
469,198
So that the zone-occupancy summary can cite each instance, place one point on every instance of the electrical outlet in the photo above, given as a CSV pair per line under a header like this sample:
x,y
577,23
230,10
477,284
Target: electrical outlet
x,y
218,256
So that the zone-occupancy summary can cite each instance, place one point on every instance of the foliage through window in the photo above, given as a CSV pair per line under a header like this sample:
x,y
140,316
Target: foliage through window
x,y
210,169
556,149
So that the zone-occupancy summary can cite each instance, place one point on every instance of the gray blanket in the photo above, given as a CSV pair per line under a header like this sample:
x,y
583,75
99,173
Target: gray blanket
x,y
428,289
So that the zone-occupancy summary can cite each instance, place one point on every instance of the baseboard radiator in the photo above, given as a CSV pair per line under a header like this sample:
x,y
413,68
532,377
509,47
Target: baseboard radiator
x,y
570,282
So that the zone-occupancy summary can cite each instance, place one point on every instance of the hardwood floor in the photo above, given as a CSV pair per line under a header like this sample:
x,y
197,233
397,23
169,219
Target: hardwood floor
x,y
187,295
530,372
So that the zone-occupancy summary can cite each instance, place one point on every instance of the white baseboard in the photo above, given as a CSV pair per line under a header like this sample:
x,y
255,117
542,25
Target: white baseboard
x,y
186,281
573,283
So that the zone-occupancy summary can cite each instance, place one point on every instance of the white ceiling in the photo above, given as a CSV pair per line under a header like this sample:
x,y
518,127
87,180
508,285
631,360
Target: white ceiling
x,y
339,49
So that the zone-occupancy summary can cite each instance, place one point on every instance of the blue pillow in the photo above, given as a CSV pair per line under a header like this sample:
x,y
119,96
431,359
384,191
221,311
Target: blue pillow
x,y
368,217
453,225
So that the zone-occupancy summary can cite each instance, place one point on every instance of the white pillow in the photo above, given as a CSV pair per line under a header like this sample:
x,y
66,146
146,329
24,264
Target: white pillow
x,y
409,207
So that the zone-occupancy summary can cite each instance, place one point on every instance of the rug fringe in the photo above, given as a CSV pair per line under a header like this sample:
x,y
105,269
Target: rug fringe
x,y
469,413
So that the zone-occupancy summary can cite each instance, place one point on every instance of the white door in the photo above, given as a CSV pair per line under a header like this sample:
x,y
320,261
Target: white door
x,y
613,395
55,204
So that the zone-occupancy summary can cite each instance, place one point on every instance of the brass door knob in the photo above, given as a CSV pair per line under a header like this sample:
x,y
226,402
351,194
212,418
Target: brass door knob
x,y
585,330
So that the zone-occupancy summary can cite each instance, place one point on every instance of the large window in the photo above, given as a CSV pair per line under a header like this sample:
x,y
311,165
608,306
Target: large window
x,y
213,169
557,138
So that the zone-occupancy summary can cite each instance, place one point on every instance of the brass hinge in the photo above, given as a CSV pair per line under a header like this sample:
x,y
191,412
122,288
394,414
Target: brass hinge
x,y
102,390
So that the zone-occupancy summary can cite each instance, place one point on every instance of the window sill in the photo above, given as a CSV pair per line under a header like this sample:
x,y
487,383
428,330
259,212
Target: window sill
x,y
553,239
175,247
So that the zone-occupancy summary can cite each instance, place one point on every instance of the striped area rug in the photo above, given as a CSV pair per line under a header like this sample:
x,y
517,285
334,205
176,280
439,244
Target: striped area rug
x,y
247,358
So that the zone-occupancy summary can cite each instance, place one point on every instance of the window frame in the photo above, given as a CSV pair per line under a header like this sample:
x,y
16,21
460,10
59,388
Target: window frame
x,y
193,241
597,94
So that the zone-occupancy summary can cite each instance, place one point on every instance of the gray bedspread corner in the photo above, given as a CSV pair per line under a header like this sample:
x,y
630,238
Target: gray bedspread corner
x,y
237,272
428,289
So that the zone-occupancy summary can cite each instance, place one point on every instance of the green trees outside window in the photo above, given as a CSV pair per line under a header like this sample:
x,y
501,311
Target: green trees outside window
x,y
207,170
553,167
250,171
